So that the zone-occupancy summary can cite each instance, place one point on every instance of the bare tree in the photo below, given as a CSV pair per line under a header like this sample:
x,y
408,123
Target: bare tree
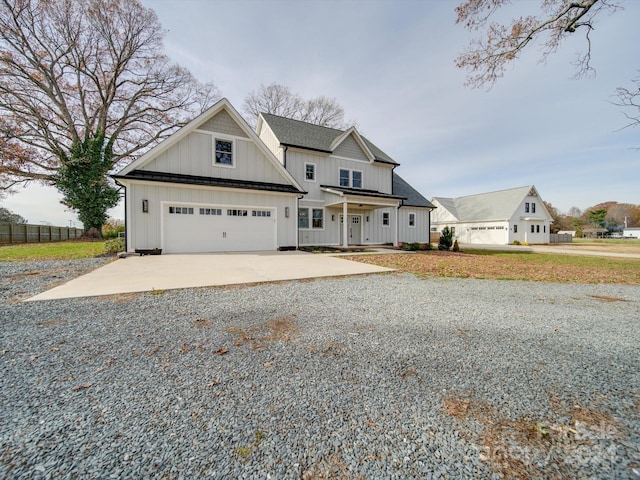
x,y
487,57
279,100
630,100
85,85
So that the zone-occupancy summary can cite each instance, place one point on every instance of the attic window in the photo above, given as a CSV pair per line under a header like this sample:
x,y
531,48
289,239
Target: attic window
x,y
224,152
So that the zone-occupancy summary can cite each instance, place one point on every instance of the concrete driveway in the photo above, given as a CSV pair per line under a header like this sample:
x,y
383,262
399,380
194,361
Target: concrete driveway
x,y
163,272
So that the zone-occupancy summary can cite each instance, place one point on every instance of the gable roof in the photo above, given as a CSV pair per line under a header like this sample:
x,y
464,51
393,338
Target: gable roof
x,y
413,197
499,205
211,112
296,133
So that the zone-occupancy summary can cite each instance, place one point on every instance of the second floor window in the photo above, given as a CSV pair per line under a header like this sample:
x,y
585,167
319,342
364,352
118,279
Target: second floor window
x,y
526,207
533,208
310,172
224,152
350,178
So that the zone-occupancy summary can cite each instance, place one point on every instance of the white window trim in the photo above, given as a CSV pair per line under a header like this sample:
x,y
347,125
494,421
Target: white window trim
x,y
224,138
315,172
415,219
351,170
388,225
310,210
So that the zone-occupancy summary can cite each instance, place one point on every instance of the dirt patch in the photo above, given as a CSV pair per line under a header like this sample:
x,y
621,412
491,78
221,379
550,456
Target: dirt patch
x,y
283,328
606,298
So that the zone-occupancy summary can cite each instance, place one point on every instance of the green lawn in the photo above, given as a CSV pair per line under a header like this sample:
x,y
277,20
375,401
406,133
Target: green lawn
x,y
50,251
607,241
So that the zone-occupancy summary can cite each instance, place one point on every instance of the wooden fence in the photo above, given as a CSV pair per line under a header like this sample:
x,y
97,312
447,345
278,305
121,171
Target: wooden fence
x,y
560,238
23,233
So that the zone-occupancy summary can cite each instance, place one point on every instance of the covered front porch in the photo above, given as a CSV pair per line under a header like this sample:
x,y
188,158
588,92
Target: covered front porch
x,y
371,217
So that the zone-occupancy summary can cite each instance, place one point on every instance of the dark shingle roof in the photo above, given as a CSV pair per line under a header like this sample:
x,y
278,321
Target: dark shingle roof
x,y
208,181
295,133
413,197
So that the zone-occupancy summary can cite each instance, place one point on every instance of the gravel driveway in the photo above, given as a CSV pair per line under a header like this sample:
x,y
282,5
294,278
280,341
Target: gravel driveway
x,y
382,376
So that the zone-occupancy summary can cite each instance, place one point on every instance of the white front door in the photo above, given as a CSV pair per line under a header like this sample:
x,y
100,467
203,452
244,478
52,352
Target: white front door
x,y
354,229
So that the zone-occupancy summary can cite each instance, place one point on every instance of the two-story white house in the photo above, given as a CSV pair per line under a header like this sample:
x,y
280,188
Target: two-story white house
x,y
495,218
216,185
345,176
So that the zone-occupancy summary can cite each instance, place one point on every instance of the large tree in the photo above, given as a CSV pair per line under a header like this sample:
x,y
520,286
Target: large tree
x,y
279,100
84,86
501,43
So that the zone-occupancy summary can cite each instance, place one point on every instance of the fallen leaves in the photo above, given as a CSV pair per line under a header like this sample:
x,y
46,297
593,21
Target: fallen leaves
x,y
82,386
221,351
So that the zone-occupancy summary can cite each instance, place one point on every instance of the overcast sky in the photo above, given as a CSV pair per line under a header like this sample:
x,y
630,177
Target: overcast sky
x,y
390,64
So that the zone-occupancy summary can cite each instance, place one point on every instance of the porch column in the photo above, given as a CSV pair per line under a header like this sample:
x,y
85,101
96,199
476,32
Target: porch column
x,y
395,233
345,225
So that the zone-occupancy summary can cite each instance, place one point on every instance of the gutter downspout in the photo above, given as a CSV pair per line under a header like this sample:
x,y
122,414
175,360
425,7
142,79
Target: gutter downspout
x,y
284,157
396,240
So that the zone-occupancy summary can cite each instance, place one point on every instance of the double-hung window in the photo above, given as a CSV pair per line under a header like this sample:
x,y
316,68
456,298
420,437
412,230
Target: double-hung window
x,y
526,207
223,153
310,172
350,178
385,219
533,208
317,218
412,219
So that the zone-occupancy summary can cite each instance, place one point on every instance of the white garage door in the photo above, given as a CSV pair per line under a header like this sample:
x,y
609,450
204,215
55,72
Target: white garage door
x,y
206,228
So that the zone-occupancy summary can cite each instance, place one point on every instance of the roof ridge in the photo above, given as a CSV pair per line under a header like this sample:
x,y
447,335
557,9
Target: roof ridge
x,y
489,193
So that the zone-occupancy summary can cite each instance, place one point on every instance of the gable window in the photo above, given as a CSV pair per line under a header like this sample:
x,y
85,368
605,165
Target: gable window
x,y
533,208
526,207
224,152
515,229
310,172
412,219
385,219
350,178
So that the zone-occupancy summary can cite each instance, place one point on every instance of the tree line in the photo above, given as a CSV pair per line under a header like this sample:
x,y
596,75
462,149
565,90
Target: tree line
x,y
612,216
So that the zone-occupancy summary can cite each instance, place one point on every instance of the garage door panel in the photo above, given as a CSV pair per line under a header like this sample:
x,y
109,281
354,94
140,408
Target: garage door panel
x,y
218,229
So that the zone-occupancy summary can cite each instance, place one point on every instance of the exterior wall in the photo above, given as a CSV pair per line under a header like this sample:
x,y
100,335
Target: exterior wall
x,y
223,123
194,156
374,177
441,215
349,148
419,233
272,143
144,230
371,228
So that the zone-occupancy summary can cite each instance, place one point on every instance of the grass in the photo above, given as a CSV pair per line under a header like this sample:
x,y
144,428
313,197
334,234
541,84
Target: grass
x,y
606,241
503,265
69,250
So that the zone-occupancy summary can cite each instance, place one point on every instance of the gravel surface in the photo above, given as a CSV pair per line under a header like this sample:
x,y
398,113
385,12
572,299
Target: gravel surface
x,y
381,376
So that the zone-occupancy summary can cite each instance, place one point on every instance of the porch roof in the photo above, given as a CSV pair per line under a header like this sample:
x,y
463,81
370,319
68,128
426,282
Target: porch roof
x,y
361,197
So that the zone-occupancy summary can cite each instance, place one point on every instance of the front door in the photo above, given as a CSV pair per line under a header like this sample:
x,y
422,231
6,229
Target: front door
x,y
354,229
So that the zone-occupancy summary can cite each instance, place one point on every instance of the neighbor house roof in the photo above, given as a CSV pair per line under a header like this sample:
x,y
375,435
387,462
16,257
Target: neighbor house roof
x,y
413,197
491,206
295,133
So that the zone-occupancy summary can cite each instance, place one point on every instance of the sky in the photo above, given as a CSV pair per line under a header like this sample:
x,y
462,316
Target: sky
x,y
390,64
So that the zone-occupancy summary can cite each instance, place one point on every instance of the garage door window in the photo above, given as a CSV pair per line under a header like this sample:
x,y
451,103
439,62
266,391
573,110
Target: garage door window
x,y
236,213
210,211
181,210
261,213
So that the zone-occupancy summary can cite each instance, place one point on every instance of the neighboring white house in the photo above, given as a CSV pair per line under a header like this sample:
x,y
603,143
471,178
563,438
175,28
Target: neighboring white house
x,y
214,185
631,232
496,218
345,176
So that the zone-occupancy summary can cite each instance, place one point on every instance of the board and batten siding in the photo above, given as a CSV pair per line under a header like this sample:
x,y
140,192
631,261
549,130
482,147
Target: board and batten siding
x,y
419,233
145,229
374,177
194,155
